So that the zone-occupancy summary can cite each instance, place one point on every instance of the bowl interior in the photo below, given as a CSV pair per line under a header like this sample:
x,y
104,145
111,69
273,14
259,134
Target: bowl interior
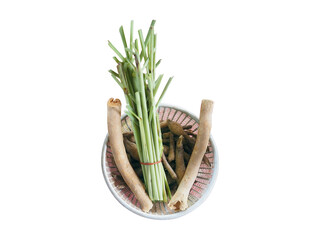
x,y
200,189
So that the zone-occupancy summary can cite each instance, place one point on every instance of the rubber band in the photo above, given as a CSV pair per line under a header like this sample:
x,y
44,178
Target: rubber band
x,y
150,163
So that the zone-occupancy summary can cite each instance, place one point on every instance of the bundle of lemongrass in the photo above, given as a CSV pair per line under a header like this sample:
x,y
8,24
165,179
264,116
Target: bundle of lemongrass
x,y
137,77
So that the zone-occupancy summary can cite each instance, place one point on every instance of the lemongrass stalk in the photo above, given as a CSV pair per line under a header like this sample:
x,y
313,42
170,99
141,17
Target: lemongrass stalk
x,y
116,59
147,128
114,73
158,63
143,52
131,35
144,145
153,110
117,81
164,91
115,50
153,22
124,41
157,84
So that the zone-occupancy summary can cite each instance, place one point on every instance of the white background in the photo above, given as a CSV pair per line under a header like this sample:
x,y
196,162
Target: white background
x,y
258,60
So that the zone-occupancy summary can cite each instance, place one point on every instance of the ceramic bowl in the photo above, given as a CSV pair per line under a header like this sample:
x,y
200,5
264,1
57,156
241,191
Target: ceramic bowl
x,y
200,190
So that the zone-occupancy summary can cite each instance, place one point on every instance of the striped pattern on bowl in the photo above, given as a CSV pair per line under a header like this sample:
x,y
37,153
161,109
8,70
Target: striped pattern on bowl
x,y
160,210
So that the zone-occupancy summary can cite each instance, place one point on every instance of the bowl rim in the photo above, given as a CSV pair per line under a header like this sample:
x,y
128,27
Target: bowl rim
x,y
176,214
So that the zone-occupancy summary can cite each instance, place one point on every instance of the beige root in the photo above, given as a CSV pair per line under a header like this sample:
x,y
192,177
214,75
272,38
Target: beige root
x,y
164,124
177,129
120,156
168,167
180,167
179,201
171,149
186,156
166,135
166,140
131,148
165,149
129,136
132,139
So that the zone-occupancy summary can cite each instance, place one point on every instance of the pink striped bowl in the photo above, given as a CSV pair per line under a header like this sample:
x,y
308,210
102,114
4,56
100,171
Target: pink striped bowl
x,y
200,190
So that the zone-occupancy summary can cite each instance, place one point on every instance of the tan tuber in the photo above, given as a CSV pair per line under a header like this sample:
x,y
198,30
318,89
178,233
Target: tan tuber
x,y
179,201
120,156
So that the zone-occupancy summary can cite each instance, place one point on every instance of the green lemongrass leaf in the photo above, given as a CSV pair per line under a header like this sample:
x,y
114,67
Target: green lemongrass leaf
x,y
149,32
164,91
116,59
130,63
160,144
130,110
124,41
132,98
158,63
168,188
136,123
117,81
114,73
116,50
154,53
127,74
130,51
143,46
136,45
131,114
154,40
131,34
145,64
150,113
157,84
137,61
127,60
151,56
121,70
121,74
128,106
150,105
149,90
165,199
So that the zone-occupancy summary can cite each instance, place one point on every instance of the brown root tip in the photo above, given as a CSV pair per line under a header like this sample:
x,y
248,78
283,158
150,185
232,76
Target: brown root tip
x,y
179,142
114,102
177,205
